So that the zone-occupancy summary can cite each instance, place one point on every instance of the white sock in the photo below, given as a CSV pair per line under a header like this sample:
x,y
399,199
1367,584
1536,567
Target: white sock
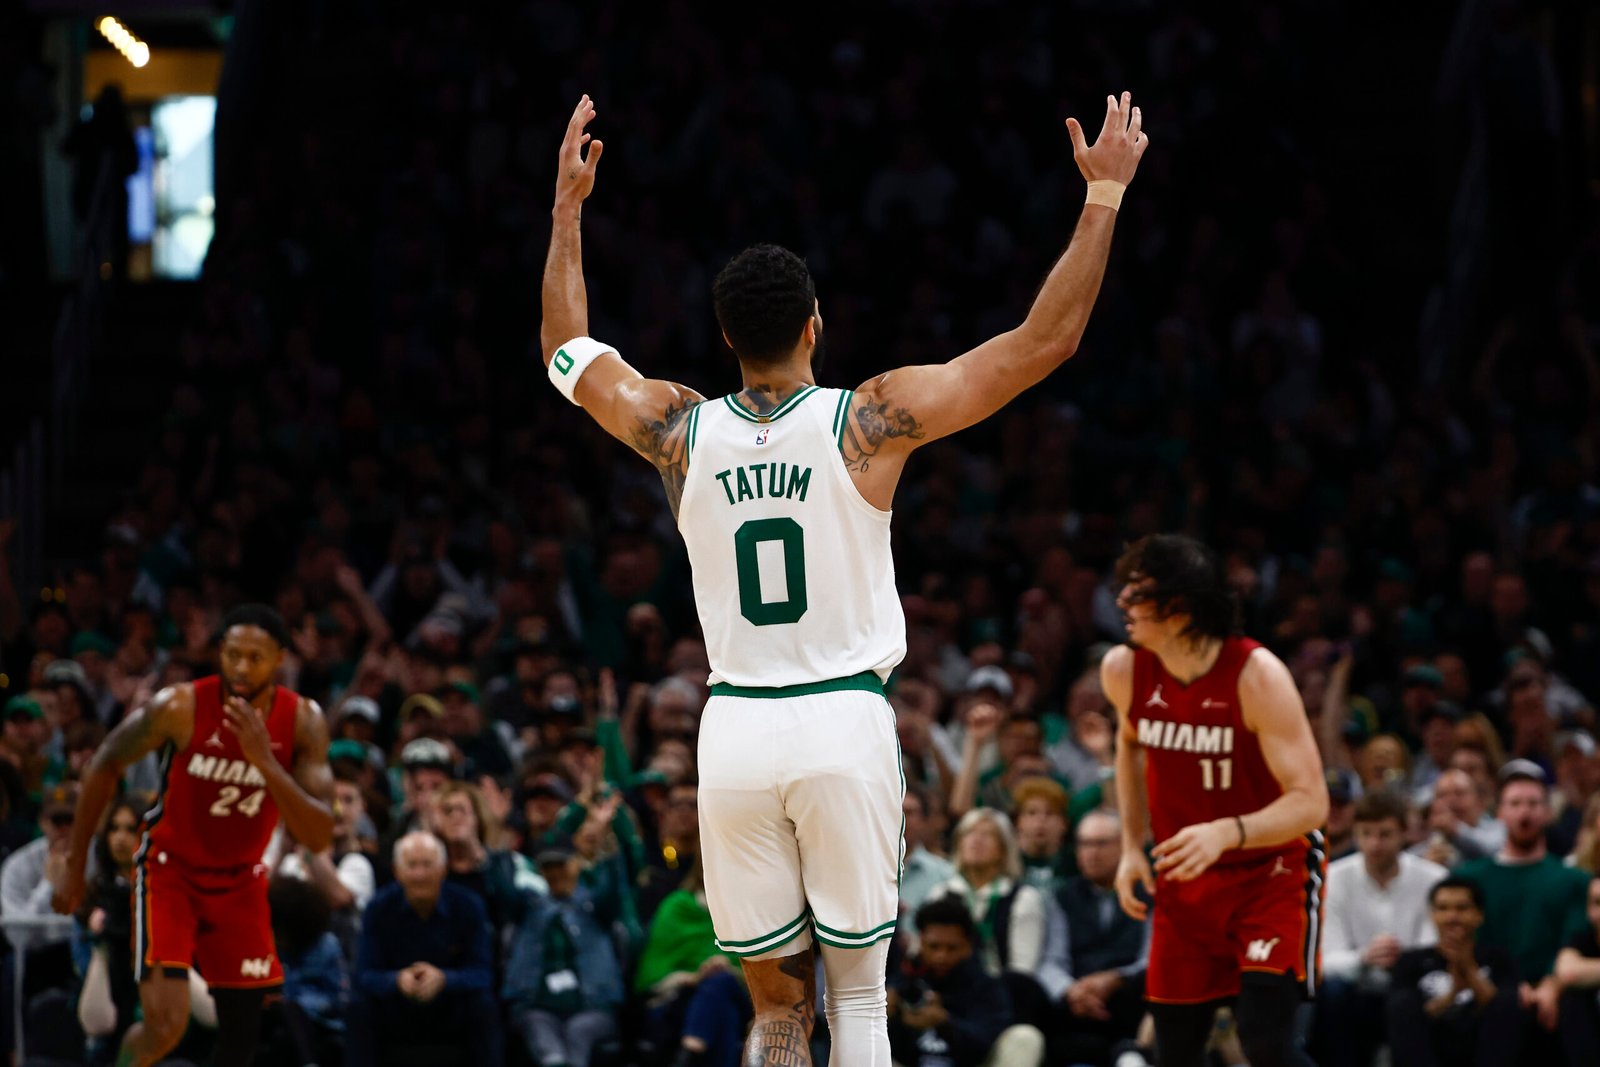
x,y
857,1004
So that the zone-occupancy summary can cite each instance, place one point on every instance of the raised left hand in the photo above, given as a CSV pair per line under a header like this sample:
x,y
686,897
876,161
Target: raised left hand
x,y
251,730
1187,853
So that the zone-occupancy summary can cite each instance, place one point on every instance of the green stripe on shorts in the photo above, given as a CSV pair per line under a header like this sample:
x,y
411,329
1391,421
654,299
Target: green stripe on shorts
x,y
866,682
840,939
787,932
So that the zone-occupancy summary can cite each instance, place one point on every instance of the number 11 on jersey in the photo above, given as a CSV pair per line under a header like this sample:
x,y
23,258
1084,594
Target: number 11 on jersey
x,y
1216,774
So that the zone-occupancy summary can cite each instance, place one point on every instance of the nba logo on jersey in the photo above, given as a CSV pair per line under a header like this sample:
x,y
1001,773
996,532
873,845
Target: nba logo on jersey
x,y
761,435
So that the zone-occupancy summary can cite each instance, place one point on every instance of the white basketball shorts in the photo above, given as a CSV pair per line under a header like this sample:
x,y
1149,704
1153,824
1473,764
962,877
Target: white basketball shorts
x,y
801,830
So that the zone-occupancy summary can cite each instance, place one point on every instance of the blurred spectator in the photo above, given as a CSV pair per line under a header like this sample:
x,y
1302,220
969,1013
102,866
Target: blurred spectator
x,y
1083,753
1459,826
108,1000
344,874
462,821
924,870
678,846
1532,904
1011,917
423,980
1437,739
1376,907
1578,972
697,1007
1104,1000
425,769
101,144
27,883
944,1008
479,742
541,799
22,744
1040,816
564,979
1586,853
1343,790
357,719
307,1024
1454,1004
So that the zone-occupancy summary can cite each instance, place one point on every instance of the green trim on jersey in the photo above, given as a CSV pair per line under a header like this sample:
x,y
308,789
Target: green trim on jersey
x,y
694,429
866,682
839,412
844,417
776,413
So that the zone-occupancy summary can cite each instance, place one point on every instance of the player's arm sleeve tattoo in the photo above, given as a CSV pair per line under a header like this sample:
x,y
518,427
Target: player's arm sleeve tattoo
x,y
144,730
663,440
871,424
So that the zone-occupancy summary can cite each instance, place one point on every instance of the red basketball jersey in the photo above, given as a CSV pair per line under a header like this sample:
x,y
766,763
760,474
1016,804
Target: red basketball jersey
x,y
215,810
1201,761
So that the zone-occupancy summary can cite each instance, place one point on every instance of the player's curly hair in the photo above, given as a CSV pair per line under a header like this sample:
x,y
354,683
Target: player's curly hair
x,y
763,298
1186,581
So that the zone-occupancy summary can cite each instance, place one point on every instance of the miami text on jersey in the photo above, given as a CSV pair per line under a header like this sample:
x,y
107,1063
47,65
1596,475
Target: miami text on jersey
x,y
1185,736
216,769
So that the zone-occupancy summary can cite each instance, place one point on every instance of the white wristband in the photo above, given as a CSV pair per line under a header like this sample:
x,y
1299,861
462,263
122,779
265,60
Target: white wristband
x,y
1105,192
571,360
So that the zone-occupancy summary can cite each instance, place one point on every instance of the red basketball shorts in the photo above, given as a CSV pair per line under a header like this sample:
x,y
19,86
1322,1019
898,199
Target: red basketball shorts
x,y
1265,916
215,921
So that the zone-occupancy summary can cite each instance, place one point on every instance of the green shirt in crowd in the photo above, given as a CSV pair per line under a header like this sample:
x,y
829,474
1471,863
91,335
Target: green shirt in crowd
x,y
1530,909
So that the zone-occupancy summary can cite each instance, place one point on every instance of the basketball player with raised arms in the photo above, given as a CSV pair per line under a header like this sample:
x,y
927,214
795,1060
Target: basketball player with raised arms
x,y
782,492
238,752
1215,755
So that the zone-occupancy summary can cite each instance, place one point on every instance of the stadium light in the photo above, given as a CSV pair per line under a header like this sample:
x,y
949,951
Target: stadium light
x,y
122,39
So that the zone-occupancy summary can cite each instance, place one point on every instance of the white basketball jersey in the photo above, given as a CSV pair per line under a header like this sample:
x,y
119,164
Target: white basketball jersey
x,y
793,577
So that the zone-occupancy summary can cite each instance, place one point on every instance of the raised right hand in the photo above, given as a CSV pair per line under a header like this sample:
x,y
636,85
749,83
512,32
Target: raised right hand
x,y
1134,870
575,180
1115,154
983,722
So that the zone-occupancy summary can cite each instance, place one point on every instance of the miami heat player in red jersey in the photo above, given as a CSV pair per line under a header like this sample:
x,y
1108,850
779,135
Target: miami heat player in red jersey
x,y
238,753
1217,756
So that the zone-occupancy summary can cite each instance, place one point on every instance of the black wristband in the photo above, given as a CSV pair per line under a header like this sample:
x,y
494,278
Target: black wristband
x,y
1240,820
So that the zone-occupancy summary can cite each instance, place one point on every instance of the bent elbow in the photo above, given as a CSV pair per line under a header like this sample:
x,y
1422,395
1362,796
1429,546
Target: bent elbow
x,y
1319,808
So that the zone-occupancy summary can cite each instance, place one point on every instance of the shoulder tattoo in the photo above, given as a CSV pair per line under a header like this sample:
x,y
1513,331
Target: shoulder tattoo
x,y
663,442
870,425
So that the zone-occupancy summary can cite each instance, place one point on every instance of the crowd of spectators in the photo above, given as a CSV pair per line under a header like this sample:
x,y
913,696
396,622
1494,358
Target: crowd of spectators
x,y
489,601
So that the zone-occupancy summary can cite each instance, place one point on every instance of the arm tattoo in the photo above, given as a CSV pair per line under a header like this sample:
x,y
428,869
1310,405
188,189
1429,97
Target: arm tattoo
x,y
870,425
663,442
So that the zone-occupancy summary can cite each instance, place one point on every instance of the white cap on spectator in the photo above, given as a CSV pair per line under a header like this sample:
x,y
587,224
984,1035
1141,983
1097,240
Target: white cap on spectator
x,y
1523,769
990,677
363,706
1578,739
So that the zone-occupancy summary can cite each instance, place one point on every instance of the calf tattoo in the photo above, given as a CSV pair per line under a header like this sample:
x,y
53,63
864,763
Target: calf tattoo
x,y
777,1043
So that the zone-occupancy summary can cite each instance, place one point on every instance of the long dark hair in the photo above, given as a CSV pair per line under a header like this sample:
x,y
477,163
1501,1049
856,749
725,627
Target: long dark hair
x,y
107,875
1185,581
